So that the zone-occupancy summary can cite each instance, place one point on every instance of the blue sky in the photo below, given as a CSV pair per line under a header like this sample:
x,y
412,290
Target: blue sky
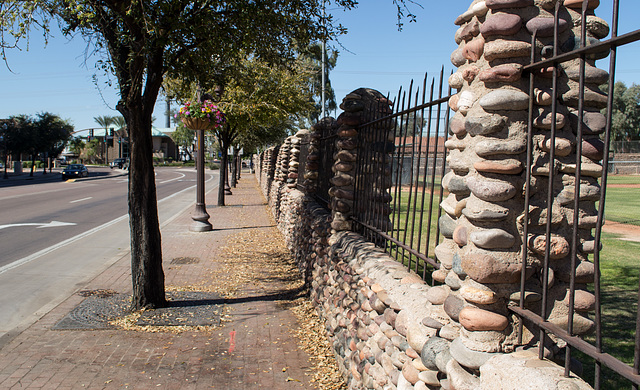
x,y
374,54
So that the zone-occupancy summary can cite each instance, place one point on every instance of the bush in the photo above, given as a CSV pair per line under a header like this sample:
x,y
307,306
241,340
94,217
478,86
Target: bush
x,y
27,164
213,165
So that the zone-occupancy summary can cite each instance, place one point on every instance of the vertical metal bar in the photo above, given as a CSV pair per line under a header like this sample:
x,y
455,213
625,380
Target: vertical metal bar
x,y
576,200
404,150
415,162
397,192
435,154
527,188
415,206
444,153
411,210
601,203
552,156
378,160
385,132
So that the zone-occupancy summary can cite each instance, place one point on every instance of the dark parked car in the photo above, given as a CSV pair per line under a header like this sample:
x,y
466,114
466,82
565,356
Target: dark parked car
x,y
74,170
118,162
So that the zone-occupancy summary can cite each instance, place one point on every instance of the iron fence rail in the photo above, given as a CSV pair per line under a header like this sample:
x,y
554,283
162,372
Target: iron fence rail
x,y
410,173
540,319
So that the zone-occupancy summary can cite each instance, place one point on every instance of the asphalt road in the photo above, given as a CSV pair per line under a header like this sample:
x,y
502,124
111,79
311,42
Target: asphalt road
x,y
55,235
37,216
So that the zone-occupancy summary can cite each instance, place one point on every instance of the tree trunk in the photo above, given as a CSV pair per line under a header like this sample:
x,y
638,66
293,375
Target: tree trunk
x,y
33,165
224,145
146,249
234,166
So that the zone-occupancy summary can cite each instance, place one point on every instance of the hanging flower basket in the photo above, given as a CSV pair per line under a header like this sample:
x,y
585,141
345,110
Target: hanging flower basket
x,y
201,115
196,123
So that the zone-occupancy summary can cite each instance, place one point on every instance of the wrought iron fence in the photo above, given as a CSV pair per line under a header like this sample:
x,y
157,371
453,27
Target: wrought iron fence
x,y
412,167
406,150
596,350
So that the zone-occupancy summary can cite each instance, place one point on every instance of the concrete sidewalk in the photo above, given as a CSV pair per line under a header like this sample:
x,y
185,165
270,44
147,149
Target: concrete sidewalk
x,y
254,347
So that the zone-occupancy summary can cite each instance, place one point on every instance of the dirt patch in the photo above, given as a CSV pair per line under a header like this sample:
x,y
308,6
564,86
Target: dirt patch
x,y
626,231
623,185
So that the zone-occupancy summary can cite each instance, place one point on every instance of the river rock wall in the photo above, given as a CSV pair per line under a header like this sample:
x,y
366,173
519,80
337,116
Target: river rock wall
x,y
484,221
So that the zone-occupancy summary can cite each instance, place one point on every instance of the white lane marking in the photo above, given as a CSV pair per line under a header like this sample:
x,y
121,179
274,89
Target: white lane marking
x,y
39,225
80,200
66,242
174,179
61,244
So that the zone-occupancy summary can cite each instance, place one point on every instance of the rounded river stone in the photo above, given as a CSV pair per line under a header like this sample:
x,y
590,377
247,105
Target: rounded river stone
x,y
501,24
437,294
489,147
480,296
592,122
559,247
591,74
485,268
562,146
456,266
500,4
444,252
485,124
446,225
460,235
468,357
582,300
457,125
474,319
545,119
473,50
478,210
492,191
456,81
504,99
458,186
492,238
597,27
431,349
501,48
505,167
457,58
470,30
577,4
593,148
592,98
544,26
452,306
502,73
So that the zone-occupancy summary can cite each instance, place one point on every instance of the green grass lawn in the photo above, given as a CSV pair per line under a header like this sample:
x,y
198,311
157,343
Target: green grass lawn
x,y
620,270
407,224
623,204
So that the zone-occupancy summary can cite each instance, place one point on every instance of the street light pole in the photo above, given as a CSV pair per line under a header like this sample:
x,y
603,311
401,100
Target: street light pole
x,y
200,216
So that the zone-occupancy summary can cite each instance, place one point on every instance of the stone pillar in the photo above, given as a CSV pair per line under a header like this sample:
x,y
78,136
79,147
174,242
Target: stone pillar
x,y
322,128
481,254
294,157
360,106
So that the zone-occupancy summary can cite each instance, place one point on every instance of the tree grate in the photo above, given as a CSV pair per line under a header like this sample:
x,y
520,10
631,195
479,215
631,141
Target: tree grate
x,y
185,260
185,308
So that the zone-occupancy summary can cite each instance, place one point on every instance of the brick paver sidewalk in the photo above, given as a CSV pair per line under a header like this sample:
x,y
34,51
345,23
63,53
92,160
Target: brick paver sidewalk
x,y
254,349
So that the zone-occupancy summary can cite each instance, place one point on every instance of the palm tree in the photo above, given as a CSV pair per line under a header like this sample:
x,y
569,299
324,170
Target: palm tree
x,y
105,121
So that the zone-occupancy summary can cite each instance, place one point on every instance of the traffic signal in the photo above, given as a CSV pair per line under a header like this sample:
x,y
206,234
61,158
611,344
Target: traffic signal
x,y
110,132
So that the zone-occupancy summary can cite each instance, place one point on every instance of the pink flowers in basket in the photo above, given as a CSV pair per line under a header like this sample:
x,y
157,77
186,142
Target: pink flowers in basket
x,y
197,115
